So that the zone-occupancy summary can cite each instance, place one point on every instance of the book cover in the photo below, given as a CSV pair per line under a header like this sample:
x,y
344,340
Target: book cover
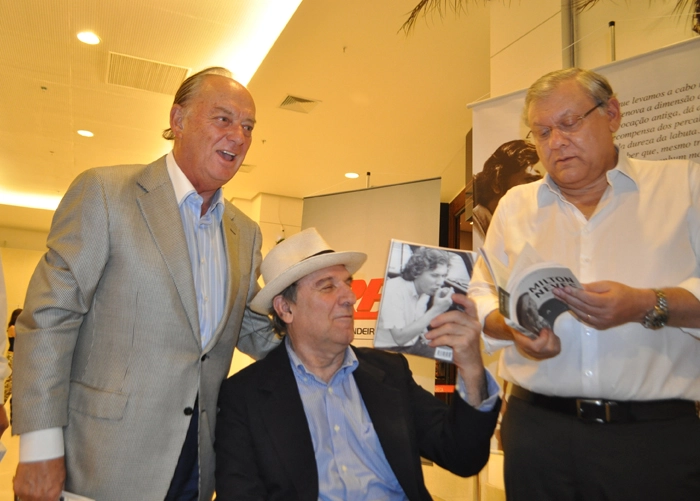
x,y
418,285
525,295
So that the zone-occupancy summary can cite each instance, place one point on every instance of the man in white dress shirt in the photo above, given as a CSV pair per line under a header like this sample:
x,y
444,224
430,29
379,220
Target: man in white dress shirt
x,y
603,406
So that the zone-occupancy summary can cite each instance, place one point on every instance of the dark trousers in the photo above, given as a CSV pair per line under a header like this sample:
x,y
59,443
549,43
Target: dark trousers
x,y
185,483
553,456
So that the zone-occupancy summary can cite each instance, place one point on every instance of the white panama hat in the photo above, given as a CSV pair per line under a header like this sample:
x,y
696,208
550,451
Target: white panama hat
x,y
293,259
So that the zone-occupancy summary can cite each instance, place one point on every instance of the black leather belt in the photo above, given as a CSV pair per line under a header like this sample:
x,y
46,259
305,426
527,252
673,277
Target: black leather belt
x,y
610,411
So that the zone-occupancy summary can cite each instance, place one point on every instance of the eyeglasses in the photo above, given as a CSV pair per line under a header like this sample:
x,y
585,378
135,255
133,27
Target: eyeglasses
x,y
568,125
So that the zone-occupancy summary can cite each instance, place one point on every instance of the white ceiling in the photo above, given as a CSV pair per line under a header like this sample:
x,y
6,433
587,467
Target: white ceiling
x,y
390,104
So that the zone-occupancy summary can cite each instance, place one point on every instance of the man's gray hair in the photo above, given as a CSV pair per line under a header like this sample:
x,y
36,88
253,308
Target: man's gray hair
x,y
278,325
189,88
595,85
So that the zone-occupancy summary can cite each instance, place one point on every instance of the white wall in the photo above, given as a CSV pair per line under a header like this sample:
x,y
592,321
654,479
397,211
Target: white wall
x,y
278,217
640,27
525,43
526,36
20,251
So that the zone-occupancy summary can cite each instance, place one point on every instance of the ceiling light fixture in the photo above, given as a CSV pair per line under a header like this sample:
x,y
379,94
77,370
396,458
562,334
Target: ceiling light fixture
x,y
30,200
88,37
242,55
247,47
352,175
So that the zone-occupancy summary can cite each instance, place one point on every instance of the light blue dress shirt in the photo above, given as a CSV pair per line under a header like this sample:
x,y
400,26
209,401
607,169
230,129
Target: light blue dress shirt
x,y
350,460
205,242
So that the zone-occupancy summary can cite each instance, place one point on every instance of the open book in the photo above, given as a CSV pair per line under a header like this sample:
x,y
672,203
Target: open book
x,y
525,295
418,285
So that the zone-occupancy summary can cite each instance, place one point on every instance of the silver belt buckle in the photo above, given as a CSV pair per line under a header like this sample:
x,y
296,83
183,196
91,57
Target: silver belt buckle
x,y
582,403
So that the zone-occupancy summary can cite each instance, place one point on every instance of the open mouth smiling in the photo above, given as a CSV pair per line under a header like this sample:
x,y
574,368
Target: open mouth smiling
x,y
227,155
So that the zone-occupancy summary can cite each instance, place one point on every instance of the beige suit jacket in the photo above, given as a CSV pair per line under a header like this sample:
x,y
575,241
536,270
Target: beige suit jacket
x,y
109,345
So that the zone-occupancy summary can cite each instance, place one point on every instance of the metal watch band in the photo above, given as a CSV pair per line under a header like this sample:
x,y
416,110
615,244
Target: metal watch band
x,y
657,317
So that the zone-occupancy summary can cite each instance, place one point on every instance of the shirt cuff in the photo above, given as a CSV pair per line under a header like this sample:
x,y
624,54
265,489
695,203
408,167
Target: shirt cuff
x,y
492,387
41,445
491,345
692,285
485,304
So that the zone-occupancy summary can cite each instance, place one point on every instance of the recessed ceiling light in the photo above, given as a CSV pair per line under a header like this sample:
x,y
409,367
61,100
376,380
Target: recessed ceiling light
x,y
85,133
352,175
88,37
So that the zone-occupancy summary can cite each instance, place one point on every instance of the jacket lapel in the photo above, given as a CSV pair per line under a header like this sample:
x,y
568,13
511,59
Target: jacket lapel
x,y
160,211
284,418
390,416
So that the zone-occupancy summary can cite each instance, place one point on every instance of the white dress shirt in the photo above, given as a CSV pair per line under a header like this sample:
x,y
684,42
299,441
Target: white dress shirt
x,y
644,233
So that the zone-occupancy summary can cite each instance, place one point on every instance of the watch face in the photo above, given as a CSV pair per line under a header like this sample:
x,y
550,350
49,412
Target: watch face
x,y
661,316
658,316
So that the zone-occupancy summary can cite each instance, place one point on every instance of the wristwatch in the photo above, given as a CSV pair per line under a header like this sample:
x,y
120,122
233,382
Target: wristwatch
x,y
658,315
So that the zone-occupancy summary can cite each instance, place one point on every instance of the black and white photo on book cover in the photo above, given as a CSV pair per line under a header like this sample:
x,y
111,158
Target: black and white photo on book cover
x,y
525,296
418,286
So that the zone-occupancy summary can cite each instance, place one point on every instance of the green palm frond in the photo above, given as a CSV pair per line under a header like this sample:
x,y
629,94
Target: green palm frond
x,y
442,6
428,6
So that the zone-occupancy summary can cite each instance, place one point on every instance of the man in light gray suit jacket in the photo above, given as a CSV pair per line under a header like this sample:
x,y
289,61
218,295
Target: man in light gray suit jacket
x,y
132,315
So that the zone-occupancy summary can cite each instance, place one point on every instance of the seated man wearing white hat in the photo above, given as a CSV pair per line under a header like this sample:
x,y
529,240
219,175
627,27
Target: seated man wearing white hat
x,y
320,419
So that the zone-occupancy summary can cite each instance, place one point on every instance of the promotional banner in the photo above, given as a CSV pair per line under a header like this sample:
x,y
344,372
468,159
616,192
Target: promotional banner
x,y
660,97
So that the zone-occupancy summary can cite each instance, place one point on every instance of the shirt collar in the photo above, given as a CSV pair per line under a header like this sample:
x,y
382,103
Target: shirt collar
x,y
183,187
621,177
348,366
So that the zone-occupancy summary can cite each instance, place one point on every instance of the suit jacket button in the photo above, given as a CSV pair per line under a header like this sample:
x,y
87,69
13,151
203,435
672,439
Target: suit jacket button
x,y
188,411
204,357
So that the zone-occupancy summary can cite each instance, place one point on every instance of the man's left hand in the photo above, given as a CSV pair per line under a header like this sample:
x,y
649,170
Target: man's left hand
x,y
461,330
606,304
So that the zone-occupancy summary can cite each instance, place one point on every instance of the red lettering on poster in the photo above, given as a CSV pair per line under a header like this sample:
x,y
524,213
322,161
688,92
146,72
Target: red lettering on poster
x,y
367,294
444,388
